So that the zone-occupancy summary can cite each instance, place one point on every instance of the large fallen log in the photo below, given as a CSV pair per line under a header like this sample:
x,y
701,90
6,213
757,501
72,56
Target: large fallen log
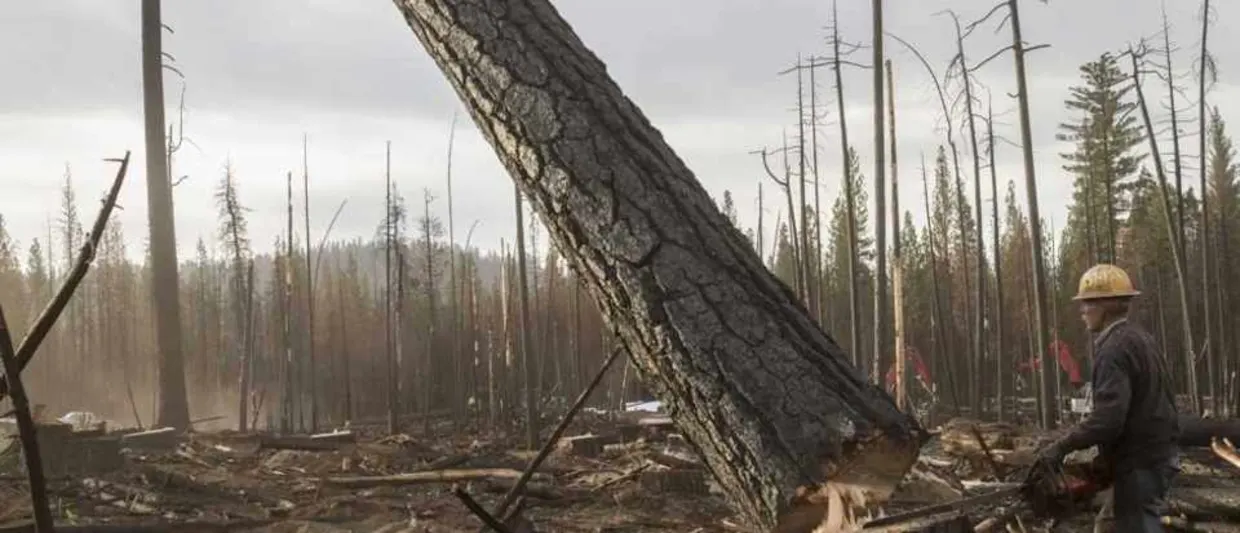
x,y
1197,432
770,401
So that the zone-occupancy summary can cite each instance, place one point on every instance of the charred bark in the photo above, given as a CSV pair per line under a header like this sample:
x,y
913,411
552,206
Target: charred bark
x,y
769,400
173,399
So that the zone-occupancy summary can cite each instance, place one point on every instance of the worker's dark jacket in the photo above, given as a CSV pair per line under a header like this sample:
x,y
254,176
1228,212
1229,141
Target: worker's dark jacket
x,y
1134,421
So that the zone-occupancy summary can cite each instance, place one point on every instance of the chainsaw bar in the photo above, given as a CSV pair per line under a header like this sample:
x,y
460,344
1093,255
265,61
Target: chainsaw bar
x,y
942,508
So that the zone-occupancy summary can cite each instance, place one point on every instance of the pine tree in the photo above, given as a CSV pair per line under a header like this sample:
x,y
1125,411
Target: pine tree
x,y
1102,161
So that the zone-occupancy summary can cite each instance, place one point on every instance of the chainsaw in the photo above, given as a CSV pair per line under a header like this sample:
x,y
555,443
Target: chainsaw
x,y
1047,491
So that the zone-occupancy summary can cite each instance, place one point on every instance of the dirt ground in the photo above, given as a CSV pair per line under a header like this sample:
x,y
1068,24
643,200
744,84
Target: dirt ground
x,y
227,481
628,477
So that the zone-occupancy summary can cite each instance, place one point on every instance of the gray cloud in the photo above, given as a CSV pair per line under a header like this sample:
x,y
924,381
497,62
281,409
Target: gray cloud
x,y
352,75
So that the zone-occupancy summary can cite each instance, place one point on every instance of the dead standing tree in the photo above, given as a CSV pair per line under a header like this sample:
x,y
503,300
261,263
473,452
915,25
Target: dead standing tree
x,y
1177,246
839,50
768,399
173,400
961,63
1040,324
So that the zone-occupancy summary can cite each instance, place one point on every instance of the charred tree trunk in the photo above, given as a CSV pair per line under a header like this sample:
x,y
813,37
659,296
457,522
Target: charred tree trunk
x,y
881,335
809,285
389,331
458,394
1177,245
687,296
819,289
1214,352
1001,367
173,399
1040,323
526,326
313,384
979,294
854,304
897,271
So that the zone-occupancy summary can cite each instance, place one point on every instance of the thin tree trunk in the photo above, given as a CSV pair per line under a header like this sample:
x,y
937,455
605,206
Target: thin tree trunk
x,y
1001,366
286,418
979,295
526,326
897,263
819,292
647,257
459,394
1177,245
1177,168
310,357
936,310
173,399
882,337
1214,352
807,277
390,332
432,325
1035,217
854,304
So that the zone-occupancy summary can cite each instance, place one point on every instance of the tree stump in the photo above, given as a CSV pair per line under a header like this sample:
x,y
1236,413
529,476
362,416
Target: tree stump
x,y
584,445
770,401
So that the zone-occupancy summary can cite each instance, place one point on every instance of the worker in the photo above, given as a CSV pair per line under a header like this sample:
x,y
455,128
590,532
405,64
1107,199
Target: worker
x,y
1133,420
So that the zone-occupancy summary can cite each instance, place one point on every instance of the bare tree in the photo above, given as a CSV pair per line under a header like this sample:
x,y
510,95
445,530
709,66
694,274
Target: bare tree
x,y
897,282
1177,245
524,330
173,399
881,334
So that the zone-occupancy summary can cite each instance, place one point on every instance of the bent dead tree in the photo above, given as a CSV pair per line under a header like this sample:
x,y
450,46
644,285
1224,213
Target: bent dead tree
x,y
770,401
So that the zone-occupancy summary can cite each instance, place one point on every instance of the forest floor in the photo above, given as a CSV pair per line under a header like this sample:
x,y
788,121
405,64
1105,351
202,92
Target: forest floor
x,y
628,477
205,481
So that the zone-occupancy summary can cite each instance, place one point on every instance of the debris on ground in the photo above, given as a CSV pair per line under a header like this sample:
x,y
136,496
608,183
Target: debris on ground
x,y
625,472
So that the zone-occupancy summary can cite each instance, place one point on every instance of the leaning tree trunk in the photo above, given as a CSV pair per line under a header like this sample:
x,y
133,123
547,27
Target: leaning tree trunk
x,y
768,399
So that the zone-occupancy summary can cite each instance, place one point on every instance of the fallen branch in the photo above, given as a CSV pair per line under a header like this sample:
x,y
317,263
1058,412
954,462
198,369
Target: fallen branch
x,y
26,430
434,476
478,511
555,436
148,433
43,325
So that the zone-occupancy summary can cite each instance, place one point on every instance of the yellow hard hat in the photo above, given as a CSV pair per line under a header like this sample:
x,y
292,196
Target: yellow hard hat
x,y
1105,281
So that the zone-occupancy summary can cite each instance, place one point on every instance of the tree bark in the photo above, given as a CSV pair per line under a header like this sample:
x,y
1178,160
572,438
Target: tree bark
x,y
769,400
854,305
173,400
897,255
1040,341
881,334
1001,366
1213,353
526,326
1177,245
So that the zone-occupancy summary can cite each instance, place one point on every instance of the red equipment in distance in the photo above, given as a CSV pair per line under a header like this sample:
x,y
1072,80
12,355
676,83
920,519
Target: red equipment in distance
x,y
919,366
1067,363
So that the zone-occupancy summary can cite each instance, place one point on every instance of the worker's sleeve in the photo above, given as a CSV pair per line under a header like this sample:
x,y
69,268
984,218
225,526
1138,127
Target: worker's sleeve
x,y
1112,393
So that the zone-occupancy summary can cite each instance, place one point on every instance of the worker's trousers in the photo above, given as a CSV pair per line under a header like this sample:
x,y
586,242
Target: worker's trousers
x,y
1137,501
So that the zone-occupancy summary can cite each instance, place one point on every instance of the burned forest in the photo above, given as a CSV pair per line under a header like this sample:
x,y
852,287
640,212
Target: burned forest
x,y
527,266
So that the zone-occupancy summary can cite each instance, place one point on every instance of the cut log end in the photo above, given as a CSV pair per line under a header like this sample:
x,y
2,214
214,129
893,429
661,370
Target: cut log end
x,y
854,488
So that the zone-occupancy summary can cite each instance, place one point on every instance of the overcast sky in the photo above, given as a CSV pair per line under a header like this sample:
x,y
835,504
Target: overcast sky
x,y
350,75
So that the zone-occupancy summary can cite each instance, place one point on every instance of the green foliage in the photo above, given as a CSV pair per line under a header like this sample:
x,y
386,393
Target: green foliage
x,y
1103,160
